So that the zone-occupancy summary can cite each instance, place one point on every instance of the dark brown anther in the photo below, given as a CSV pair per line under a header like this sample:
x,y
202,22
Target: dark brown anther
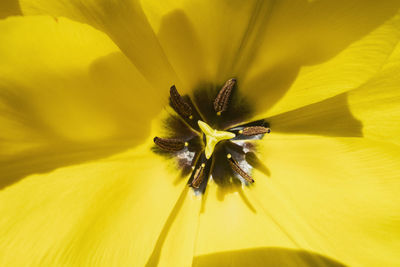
x,y
235,167
198,176
222,100
254,130
172,145
178,103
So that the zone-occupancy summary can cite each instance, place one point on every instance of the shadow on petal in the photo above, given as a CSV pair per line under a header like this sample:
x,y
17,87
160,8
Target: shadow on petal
x,y
55,155
258,164
183,48
264,257
155,255
9,8
271,85
305,33
73,118
331,117
314,31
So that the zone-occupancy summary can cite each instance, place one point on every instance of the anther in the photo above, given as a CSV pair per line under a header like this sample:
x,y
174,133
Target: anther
x,y
186,144
240,131
179,104
198,176
254,130
228,156
235,167
167,144
222,100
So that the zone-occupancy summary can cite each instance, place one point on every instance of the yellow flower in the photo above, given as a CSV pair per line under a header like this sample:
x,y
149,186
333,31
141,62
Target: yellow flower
x,y
83,86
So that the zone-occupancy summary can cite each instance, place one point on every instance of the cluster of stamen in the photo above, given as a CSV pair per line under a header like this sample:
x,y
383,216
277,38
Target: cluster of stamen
x,y
210,138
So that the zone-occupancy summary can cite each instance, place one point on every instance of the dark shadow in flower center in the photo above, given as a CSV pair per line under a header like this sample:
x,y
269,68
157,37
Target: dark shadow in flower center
x,y
241,149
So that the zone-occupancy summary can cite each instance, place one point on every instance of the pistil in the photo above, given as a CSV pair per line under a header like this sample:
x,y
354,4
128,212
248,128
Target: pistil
x,y
213,137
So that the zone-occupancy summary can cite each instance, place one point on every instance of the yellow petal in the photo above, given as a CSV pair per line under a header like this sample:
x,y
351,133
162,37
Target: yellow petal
x,y
9,8
335,196
175,244
126,24
223,29
105,213
377,103
318,49
371,110
264,257
230,220
330,117
66,87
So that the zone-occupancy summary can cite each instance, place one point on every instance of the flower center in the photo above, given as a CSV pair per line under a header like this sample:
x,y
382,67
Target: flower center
x,y
209,153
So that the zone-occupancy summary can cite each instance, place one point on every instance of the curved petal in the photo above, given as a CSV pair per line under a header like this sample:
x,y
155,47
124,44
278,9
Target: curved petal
x,y
212,34
231,220
105,213
66,88
376,103
125,23
334,196
316,50
371,110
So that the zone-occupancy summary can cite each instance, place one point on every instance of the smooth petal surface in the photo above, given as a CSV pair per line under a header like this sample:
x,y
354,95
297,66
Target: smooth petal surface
x,y
67,95
316,50
125,23
220,29
334,196
376,103
233,221
110,212
370,110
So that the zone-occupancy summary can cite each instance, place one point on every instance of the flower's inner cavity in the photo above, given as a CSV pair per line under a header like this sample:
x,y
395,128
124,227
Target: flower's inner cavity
x,y
210,136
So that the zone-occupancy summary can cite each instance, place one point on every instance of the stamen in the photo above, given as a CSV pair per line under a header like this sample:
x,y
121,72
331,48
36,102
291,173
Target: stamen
x,y
179,104
198,176
254,130
169,144
235,166
222,99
